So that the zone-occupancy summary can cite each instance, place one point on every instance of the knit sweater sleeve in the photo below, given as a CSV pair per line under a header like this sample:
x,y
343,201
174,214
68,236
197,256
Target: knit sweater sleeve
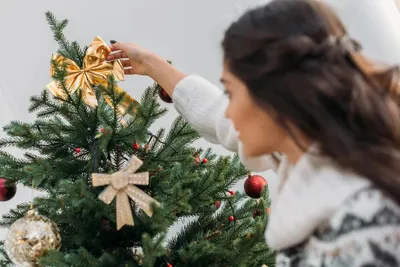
x,y
364,232
203,105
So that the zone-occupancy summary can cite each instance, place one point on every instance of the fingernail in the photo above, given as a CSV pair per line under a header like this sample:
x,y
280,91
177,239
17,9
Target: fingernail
x,y
113,41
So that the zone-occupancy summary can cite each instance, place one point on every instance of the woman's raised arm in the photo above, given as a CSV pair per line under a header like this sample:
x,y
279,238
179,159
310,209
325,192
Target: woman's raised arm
x,y
200,102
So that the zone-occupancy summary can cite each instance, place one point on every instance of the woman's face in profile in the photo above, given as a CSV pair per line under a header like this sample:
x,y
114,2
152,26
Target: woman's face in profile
x,y
258,131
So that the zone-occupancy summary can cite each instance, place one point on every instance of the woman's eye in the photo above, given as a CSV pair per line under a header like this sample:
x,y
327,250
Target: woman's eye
x,y
226,92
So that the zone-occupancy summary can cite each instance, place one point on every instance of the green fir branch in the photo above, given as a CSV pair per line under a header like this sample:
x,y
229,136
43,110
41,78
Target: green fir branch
x,y
68,50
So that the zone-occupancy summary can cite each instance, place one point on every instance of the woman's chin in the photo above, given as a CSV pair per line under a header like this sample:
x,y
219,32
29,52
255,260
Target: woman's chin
x,y
255,150
251,153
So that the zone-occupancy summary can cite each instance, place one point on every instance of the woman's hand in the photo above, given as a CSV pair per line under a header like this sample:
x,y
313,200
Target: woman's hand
x,y
137,60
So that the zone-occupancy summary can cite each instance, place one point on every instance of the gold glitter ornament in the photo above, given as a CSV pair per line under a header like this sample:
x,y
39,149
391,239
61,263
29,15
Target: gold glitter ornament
x,y
31,237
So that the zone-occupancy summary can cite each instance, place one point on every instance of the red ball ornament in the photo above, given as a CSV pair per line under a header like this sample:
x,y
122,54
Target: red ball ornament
x,y
231,218
102,130
163,95
268,210
170,265
218,204
254,185
205,160
136,146
77,150
232,193
7,192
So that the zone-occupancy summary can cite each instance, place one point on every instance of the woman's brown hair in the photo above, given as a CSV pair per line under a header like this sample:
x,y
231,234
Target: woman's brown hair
x,y
298,62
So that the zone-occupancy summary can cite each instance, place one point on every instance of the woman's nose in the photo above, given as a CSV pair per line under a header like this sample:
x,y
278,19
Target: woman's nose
x,y
226,114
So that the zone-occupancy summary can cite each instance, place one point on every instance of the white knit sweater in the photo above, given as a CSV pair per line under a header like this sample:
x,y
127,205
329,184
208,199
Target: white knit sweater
x,y
322,215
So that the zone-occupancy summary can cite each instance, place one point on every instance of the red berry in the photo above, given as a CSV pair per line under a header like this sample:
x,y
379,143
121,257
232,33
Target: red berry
x,y
268,210
231,218
218,204
170,265
102,130
205,160
106,224
231,192
77,150
136,146
256,213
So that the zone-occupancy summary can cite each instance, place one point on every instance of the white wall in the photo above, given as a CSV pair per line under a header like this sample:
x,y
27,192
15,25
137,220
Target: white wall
x,y
375,23
186,32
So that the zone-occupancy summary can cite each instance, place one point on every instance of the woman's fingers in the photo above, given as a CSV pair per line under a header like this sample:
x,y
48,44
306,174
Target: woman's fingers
x,y
126,62
115,47
129,71
130,56
117,55
123,57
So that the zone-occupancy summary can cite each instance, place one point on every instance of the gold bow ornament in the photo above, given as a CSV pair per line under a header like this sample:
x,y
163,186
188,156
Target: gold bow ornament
x,y
121,186
95,71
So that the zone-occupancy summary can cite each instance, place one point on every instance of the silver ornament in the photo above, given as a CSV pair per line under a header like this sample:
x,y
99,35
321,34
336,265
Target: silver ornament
x,y
31,237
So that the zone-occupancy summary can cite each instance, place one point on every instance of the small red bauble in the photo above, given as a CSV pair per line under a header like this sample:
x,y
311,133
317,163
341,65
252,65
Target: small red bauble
x,y
7,192
268,210
218,204
77,150
256,213
205,160
163,95
106,224
231,218
231,192
136,146
170,265
102,130
254,185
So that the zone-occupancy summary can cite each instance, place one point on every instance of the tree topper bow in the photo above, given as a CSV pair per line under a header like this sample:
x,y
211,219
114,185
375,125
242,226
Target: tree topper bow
x,y
95,71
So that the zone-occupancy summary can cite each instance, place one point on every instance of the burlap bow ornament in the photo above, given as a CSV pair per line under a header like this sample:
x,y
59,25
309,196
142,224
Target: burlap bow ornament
x,y
121,185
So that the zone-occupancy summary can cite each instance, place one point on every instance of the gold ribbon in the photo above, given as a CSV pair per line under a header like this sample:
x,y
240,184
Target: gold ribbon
x,y
120,185
95,71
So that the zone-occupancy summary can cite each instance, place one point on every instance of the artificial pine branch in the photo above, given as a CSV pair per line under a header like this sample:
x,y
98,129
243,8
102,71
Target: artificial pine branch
x,y
13,215
4,260
71,51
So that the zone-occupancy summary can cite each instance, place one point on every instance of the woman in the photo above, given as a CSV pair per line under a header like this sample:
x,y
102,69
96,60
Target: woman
x,y
296,84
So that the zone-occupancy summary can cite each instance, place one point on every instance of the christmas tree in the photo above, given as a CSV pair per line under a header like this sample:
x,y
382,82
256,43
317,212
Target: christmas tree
x,y
80,135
